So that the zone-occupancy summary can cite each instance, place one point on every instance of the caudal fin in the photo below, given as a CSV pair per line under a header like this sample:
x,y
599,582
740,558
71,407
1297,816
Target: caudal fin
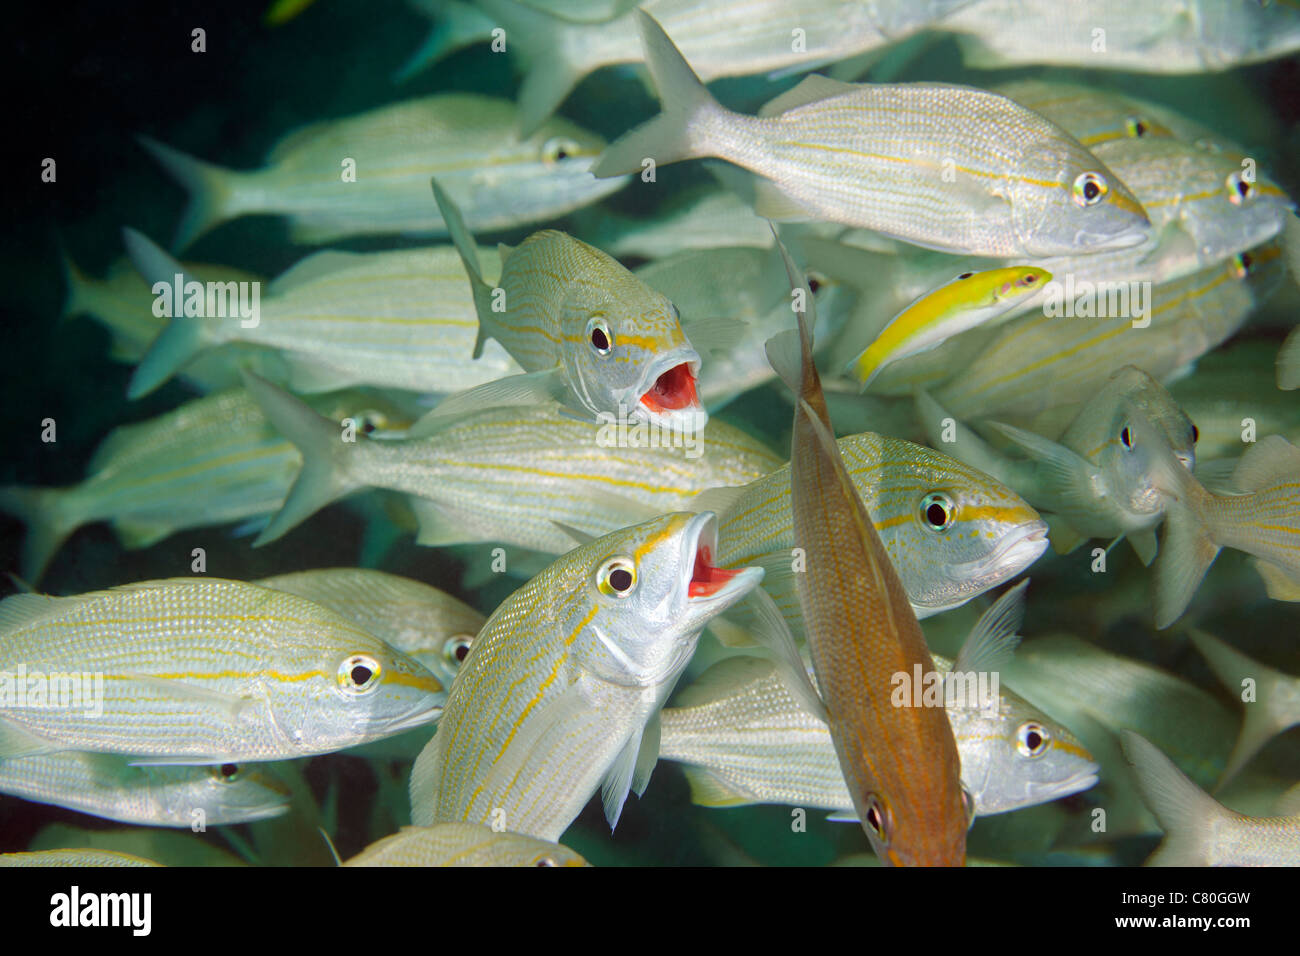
x,y
548,46
185,335
78,300
689,111
1266,712
325,475
1185,812
211,189
48,521
458,25
464,243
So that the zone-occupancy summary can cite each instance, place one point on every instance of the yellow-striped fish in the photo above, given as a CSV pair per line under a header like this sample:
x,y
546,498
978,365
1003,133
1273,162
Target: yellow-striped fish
x,y
511,475
430,625
744,738
107,786
554,699
368,174
74,857
213,460
199,671
589,333
463,844
402,319
948,167
969,300
951,532
900,762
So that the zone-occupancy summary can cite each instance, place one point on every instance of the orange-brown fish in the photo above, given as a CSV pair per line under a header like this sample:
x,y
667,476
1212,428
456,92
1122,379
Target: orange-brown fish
x,y
900,762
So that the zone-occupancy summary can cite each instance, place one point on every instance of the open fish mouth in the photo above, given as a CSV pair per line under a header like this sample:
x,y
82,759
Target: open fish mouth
x,y
1016,551
708,583
673,395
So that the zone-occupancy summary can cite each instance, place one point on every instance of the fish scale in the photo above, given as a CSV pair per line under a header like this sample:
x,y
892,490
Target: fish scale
x,y
207,671
994,536
561,680
463,844
942,166
760,746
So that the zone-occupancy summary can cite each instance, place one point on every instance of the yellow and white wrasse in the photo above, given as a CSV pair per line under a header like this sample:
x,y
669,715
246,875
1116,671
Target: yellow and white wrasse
x,y
1037,362
722,38
1274,709
744,738
951,532
511,475
431,626
1142,36
948,167
900,763
588,333
554,699
499,179
107,786
203,671
402,319
74,857
969,300
1200,831
463,844
213,460
1261,519
122,302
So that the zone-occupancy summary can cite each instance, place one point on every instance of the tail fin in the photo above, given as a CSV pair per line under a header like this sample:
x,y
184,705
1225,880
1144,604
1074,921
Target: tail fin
x,y
458,25
1186,553
689,110
211,190
464,243
1267,715
547,44
324,476
1186,813
185,335
48,524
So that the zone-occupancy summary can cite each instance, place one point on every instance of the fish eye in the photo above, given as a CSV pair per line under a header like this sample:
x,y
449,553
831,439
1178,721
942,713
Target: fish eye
x,y
1242,264
546,861
226,773
1240,189
1135,127
370,421
457,648
814,282
557,148
937,511
965,275
359,673
1089,188
877,817
617,577
1126,437
1030,279
602,339
1032,739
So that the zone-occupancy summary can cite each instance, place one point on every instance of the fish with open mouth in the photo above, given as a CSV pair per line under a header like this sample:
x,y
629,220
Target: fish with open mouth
x,y
562,688
588,333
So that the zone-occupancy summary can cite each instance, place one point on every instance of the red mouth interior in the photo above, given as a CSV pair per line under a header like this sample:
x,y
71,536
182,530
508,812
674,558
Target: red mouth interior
x,y
706,579
673,389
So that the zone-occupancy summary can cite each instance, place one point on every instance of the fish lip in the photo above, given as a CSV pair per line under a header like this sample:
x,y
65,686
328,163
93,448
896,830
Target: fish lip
x,y
1083,779
702,539
684,364
417,716
1017,549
